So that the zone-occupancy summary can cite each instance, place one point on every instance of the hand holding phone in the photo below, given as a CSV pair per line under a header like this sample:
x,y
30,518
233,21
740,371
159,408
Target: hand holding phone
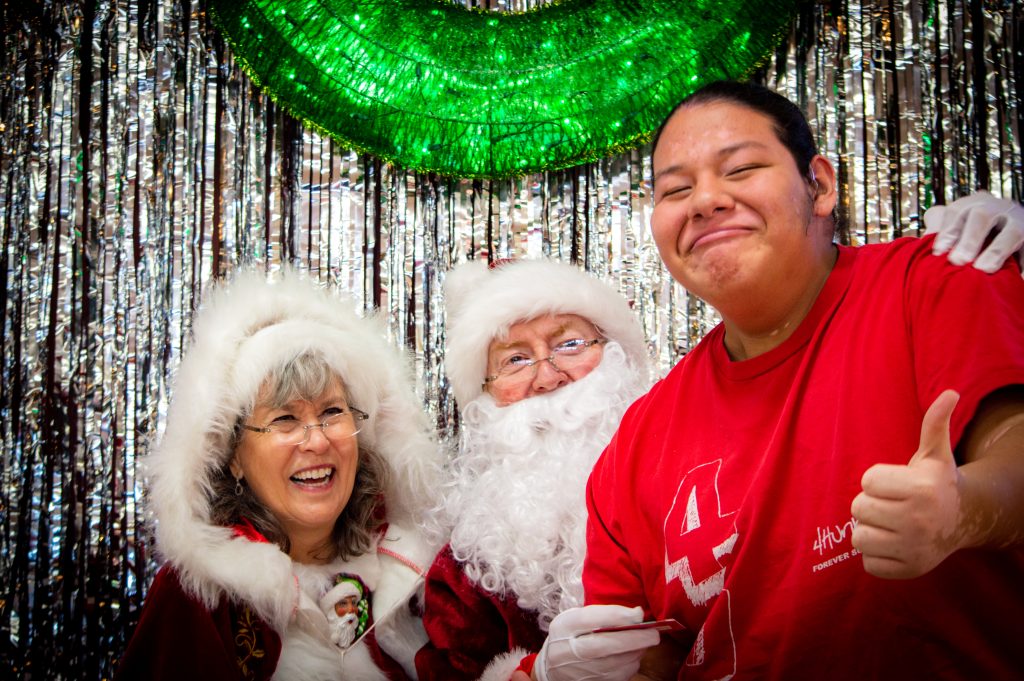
x,y
571,651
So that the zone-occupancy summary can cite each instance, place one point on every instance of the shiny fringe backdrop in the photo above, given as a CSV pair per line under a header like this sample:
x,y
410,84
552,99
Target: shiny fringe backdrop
x,y
138,163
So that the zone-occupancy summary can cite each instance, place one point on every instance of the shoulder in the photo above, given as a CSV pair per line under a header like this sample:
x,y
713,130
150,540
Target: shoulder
x,y
932,282
905,248
928,288
447,581
167,592
653,417
649,410
444,565
883,263
178,636
912,258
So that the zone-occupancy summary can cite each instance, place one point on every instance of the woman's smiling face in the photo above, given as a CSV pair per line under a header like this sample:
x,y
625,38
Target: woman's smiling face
x,y
305,486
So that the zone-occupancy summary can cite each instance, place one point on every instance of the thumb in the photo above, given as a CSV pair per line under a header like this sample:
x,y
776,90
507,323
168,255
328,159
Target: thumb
x,y
935,428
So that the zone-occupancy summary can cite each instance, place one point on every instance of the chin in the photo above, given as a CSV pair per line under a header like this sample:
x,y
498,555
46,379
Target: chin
x,y
710,284
321,519
724,271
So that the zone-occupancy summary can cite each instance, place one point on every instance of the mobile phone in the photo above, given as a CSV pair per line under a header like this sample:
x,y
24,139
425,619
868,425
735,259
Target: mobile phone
x,y
659,625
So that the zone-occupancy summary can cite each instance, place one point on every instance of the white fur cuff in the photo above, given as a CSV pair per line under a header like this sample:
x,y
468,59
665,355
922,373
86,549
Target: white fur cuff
x,y
502,666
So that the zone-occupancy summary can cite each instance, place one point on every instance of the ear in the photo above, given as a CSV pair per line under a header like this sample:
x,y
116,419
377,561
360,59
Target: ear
x,y
236,467
823,185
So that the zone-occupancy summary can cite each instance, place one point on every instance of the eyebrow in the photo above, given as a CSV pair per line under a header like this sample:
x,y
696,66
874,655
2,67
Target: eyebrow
x,y
721,153
332,398
508,346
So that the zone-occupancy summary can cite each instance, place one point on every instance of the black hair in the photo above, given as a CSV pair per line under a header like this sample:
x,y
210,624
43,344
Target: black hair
x,y
788,121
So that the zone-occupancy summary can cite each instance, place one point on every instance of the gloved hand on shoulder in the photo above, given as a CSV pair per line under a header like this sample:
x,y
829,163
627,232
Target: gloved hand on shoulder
x,y
963,226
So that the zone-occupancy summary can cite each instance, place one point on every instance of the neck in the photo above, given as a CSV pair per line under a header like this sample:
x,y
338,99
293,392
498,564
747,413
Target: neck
x,y
764,322
310,548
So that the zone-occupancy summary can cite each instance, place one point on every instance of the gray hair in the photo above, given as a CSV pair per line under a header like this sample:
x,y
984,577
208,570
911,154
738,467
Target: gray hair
x,y
305,377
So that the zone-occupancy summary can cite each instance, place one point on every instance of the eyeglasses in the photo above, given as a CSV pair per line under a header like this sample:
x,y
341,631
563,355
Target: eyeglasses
x,y
343,424
568,354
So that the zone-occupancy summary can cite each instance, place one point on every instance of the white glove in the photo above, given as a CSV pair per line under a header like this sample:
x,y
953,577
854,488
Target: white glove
x,y
964,225
572,653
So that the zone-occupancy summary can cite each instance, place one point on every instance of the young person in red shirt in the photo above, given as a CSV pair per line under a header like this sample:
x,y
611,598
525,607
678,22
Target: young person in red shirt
x,y
831,484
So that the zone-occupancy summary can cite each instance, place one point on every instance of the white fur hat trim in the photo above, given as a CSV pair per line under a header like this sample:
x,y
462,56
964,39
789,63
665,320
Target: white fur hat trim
x,y
482,303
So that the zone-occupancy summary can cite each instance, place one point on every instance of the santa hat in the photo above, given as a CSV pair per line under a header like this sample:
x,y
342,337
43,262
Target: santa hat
x,y
245,329
482,303
345,587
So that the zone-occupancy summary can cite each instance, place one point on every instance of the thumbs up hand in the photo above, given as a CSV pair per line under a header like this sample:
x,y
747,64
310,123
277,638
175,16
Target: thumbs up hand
x,y
909,518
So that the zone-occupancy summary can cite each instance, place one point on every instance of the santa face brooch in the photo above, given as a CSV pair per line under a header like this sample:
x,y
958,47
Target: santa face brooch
x,y
347,607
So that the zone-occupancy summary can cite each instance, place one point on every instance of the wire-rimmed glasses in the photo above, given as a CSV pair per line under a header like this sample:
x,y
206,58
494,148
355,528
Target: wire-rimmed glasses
x,y
564,357
343,424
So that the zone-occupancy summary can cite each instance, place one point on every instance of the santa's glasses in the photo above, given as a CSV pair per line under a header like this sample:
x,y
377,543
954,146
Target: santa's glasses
x,y
564,357
341,424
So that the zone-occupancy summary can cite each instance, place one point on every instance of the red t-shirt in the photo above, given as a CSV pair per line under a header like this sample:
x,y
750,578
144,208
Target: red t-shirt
x,y
724,499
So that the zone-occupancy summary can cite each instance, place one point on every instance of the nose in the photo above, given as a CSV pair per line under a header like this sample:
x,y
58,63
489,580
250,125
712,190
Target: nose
x,y
710,196
548,377
316,439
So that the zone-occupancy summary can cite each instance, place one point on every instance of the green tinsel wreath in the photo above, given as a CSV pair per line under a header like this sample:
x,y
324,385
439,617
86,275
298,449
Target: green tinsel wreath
x,y
434,86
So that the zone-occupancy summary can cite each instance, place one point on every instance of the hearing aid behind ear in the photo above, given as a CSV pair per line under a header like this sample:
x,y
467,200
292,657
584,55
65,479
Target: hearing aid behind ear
x,y
814,182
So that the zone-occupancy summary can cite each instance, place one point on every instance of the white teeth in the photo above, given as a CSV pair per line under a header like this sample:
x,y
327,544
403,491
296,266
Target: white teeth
x,y
314,473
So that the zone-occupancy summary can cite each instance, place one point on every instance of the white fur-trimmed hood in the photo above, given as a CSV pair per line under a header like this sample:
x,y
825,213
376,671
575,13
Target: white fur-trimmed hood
x,y
482,303
243,329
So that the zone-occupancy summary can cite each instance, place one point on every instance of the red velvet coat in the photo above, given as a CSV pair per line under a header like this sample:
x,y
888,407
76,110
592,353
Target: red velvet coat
x,y
179,638
469,627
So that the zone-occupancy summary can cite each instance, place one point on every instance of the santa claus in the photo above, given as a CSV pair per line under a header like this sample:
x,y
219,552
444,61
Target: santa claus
x,y
543,359
347,609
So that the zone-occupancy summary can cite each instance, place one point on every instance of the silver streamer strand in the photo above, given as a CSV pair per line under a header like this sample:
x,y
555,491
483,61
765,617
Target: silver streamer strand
x,y
138,163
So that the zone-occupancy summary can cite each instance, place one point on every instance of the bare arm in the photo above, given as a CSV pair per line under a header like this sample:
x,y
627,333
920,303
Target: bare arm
x,y
911,518
992,450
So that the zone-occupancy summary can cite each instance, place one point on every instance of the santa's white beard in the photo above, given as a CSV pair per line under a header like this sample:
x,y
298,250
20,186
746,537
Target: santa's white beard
x,y
343,628
515,499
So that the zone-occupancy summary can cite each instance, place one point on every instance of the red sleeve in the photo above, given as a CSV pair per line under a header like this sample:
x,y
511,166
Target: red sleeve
x,y
609,573
527,664
179,638
467,627
967,328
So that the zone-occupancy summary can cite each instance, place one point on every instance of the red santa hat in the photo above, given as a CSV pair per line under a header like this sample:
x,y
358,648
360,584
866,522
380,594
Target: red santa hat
x,y
481,303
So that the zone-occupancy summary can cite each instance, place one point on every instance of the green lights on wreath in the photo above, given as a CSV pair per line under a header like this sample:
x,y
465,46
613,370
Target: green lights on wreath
x,y
433,86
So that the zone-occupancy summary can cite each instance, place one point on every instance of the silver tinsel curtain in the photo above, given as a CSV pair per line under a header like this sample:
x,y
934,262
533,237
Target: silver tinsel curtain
x,y
138,163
